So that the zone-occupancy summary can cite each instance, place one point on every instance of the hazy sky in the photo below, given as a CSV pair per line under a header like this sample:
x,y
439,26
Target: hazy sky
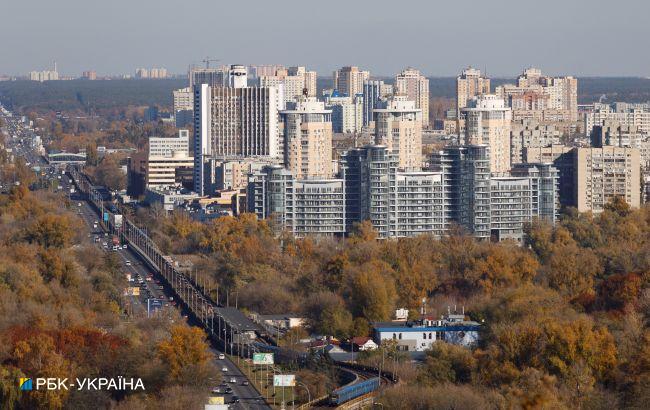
x,y
579,37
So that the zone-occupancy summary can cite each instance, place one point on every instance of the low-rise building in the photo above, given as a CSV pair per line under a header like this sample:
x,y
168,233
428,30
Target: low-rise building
x,y
420,335
168,197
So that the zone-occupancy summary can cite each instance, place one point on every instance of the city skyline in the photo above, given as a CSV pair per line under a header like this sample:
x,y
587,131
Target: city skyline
x,y
448,36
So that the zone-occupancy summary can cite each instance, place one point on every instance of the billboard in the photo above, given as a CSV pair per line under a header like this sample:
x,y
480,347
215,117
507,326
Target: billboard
x,y
132,291
105,216
117,221
284,380
153,305
216,400
262,358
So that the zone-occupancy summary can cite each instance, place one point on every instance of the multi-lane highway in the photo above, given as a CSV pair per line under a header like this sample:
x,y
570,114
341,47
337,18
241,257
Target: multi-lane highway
x,y
235,388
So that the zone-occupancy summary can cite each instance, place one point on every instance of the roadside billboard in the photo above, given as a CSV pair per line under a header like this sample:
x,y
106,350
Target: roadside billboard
x,y
153,305
263,358
284,380
132,291
216,400
117,221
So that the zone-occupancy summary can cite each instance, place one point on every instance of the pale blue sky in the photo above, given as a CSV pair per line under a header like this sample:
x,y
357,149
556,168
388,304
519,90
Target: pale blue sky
x,y
577,37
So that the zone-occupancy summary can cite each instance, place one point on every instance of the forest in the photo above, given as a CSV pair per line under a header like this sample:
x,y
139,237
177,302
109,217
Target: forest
x,y
63,314
565,316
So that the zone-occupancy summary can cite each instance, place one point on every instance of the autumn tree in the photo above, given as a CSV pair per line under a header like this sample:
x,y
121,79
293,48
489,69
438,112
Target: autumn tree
x,y
184,352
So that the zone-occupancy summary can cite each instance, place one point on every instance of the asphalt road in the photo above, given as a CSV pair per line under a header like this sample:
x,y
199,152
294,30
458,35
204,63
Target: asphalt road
x,y
248,397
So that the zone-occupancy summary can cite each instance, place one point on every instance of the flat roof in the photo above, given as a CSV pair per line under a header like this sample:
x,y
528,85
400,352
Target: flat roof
x,y
236,319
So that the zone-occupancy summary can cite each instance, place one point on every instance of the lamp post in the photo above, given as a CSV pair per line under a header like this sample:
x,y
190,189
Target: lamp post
x,y
306,388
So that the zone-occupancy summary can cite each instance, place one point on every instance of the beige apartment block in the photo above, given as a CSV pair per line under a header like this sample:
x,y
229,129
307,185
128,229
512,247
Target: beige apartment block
x,y
604,173
469,85
416,87
488,122
308,139
349,80
535,92
398,126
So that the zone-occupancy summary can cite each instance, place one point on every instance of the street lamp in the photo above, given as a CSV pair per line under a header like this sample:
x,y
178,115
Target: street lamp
x,y
306,388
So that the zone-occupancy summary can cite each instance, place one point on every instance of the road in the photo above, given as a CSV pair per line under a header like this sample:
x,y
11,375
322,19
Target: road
x,y
248,397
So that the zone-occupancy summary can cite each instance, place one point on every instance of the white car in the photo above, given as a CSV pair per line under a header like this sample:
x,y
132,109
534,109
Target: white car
x,y
124,246
222,356
225,369
128,263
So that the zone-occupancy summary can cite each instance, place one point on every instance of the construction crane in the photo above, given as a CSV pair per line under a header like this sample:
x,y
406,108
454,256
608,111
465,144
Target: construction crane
x,y
207,60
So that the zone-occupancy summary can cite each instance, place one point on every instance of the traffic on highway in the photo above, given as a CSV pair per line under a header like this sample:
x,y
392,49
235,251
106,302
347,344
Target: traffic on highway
x,y
146,293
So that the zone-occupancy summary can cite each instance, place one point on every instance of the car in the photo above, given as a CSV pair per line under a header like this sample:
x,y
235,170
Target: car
x,y
128,263
233,380
222,356
224,369
228,390
216,390
245,383
124,246
235,399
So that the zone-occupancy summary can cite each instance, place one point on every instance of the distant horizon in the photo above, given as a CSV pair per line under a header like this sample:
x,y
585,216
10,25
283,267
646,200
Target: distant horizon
x,y
582,38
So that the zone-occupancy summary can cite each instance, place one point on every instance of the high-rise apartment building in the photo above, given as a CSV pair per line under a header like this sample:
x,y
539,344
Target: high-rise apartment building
x,y
46,75
604,173
488,122
265,70
302,207
545,183
626,114
398,126
347,112
141,73
561,158
470,84
291,83
214,77
89,75
308,139
233,123
183,99
373,92
349,80
531,134
398,204
416,87
490,206
466,187
614,134
309,79
541,97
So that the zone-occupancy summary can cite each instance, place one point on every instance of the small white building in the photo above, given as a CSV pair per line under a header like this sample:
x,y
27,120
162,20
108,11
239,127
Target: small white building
x,y
420,335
